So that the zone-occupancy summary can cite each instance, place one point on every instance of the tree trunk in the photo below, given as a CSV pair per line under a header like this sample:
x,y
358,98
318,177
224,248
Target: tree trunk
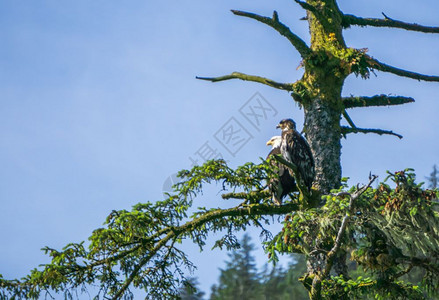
x,y
322,127
323,82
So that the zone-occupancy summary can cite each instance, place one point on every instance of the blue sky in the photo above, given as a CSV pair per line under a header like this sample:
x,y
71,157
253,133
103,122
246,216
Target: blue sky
x,y
99,105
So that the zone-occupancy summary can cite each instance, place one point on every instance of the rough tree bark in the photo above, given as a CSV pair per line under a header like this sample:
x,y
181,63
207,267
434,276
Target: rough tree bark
x,y
324,85
323,111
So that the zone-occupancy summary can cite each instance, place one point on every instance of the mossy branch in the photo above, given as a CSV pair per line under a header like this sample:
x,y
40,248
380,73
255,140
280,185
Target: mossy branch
x,y
254,78
348,119
380,66
346,130
377,100
349,20
311,8
175,232
247,196
427,263
315,291
171,235
274,22
341,232
151,248
307,6
138,247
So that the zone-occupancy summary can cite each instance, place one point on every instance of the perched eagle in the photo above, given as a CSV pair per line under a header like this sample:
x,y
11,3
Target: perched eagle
x,y
286,183
296,150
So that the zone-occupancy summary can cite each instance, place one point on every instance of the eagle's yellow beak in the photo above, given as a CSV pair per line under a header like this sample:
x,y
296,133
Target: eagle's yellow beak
x,y
269,143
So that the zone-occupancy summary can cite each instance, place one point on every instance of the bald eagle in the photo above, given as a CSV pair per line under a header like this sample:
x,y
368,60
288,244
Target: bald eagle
x,y
295,149
285,183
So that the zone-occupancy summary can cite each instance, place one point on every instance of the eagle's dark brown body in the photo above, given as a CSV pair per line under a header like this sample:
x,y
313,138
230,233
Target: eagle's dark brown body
x,y
295,149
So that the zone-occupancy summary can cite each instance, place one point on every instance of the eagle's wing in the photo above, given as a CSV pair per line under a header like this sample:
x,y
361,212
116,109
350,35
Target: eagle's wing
x,y
285,184
296,149
276,151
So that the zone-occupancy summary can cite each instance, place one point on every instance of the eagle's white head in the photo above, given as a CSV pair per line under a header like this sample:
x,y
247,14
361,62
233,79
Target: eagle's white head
x,y
275,141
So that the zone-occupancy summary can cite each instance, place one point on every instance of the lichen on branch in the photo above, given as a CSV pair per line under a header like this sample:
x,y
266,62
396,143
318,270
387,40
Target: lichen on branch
x,y
274,22
380,66
349,20
347,130
253,78
377,100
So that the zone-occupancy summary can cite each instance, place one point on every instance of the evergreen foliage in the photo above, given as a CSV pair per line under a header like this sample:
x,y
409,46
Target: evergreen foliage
x,y
433,179
282,284
139,248
190,290
388,231
240,278
392,231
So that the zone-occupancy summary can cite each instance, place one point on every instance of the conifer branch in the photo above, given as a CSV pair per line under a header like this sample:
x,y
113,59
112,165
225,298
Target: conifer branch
x,y
274,22
380,66
377,100
346,130
149,248
143,262
247,196
349,20
254,78
318,278
403,272
332,253
426,263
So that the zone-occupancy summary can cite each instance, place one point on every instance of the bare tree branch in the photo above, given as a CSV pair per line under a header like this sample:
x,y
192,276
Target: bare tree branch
x,y
346,130
274,22
349,20
307,6
375,64
254,78
348,118
377,100
315,11
332,253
